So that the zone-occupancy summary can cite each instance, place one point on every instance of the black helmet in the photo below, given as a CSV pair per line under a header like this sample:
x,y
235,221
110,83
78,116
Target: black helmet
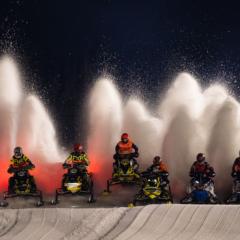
x,y
18,152
200,157
156,160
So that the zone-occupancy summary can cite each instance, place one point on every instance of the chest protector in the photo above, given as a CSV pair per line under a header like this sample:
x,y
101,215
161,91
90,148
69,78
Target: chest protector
x,y
125,148
19,161
201,168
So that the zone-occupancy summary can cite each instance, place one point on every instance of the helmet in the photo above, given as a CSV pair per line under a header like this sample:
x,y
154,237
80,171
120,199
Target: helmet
x,y
18,152
200,157
125,137
77,147
156,160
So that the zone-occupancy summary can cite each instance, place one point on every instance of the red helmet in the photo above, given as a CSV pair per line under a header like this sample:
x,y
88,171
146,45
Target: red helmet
x,y
124,136
78,147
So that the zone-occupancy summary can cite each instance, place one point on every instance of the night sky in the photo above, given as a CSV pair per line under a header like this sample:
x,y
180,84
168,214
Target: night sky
x,y
63,46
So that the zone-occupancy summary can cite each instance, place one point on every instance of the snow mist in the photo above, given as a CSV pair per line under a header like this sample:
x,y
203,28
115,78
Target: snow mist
x,y
25,122
187,120
105,124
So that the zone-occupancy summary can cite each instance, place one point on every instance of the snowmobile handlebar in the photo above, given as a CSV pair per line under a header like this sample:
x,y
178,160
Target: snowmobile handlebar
x,y
236,175
202,175
23,167
74,165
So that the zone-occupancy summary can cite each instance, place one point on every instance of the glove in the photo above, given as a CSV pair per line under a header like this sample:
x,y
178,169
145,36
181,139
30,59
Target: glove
x,y
65,165
135,155
191,174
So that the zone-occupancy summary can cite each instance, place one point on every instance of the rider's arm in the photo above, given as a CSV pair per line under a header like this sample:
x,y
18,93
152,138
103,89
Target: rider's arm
x,y
117,148
12,162
28,162
84,158
116,155
11,167
68,161
149,169
211,172
134,146
235,167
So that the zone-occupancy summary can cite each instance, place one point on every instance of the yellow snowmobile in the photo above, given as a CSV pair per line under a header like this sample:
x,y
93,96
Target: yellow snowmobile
x,y
155,189
126,173
22,184
76,182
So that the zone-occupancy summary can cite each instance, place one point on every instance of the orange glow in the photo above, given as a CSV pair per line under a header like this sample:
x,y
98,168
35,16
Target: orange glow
x,y
4,175
94,166
101,170
48,176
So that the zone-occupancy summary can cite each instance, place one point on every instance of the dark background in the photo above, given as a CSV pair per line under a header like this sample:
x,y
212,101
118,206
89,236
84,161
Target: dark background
x,y
64,45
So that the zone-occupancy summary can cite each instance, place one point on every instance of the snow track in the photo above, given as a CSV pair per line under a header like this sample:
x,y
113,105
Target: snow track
x,y
165,222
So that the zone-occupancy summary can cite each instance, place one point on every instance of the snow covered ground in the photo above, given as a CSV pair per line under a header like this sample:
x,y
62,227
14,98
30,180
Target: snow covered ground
x,y
173,221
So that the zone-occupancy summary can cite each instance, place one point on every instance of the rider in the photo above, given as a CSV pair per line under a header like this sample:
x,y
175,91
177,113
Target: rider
x,y
125,149
236,170
236,167
202,169
20,162
158,167
77,158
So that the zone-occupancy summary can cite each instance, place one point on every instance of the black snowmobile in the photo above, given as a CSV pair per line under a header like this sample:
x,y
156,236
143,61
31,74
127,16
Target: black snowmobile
x,y
202,189
22,184
155,189
234,198
77,181
125,173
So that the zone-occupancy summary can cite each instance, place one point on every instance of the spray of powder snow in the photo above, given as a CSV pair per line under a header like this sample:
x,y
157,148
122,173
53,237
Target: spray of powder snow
x,y
37,135
190,121
25,122
144,129
10,96
224,142
105,123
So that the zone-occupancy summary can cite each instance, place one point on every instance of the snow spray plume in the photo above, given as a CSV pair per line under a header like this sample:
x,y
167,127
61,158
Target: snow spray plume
x,y
224,143
37,135
10,96
185,91
144,129
180,110
179,149
105,122
214,97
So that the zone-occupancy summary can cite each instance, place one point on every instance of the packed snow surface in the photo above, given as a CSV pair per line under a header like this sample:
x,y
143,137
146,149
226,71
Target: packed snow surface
x,y
173,221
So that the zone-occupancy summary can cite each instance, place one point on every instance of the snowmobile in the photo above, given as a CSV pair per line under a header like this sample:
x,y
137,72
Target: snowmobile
x,y
235,196
125,173
202,191
77,181
155,189
22,184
